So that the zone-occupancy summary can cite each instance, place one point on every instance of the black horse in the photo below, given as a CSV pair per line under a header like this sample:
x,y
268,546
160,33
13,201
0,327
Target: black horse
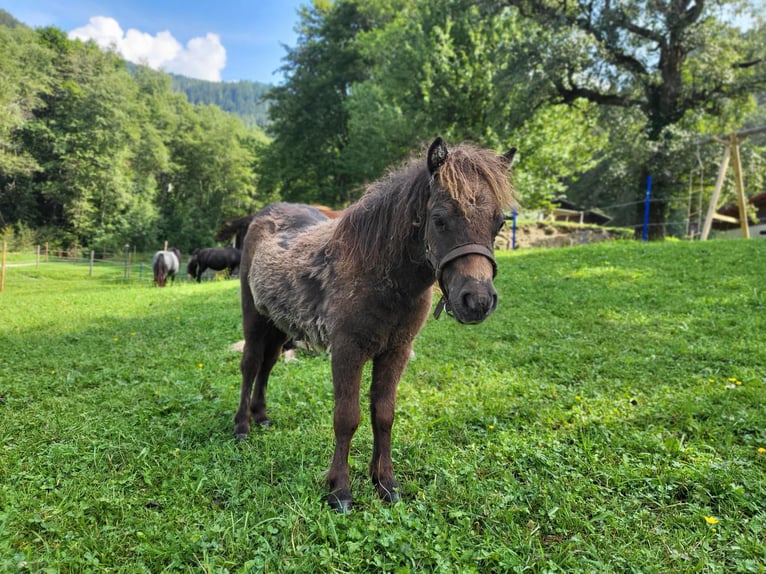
x,y
218,258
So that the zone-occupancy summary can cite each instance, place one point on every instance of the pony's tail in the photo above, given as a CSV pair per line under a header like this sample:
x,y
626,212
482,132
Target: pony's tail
x,y
160,271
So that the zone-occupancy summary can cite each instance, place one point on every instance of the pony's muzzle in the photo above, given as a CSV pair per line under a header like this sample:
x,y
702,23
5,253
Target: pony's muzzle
x,y
474,301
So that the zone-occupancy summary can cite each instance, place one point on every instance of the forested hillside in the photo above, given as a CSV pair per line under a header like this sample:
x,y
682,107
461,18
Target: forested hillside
x,y
8,20
95,154
244,99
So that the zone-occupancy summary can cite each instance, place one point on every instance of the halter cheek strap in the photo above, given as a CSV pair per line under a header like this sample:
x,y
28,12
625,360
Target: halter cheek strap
x,y
455,253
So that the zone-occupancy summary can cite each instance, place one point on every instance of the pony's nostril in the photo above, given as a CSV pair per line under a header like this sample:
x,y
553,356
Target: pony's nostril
x,y
478,302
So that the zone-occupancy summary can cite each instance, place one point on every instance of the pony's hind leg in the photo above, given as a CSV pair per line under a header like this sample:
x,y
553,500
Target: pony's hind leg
x,y
271,352
386,371
263,346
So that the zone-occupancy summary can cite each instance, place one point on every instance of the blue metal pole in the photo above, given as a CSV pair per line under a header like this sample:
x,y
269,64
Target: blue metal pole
x,y
513,230
646,207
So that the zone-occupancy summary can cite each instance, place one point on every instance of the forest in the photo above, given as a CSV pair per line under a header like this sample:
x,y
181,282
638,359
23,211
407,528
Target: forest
x,y
597,96
244,99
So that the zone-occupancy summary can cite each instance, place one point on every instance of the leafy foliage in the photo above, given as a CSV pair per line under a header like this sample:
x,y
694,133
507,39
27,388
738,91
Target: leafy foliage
x,y
668,61
308,121
103,157
586,90
596,95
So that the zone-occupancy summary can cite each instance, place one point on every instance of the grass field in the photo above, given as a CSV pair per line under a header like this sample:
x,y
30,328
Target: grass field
x,y
609,417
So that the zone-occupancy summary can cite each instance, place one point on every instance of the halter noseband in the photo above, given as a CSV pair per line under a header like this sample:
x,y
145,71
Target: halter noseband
x,y
451,255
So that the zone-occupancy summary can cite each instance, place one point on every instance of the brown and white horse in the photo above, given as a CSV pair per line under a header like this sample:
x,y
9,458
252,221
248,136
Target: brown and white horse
x,y
165,264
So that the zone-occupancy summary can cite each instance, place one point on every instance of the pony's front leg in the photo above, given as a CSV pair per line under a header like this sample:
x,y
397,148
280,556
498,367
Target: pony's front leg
x,y
387,369
346,377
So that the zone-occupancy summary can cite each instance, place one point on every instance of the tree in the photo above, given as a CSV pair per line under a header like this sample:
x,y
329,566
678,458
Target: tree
x,y
25,68
308,120
83,139
97,156
667,60
211,155
434,69
361,98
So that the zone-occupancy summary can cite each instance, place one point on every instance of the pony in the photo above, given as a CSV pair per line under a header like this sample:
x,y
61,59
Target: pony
x,y
360,286
166,263
217,258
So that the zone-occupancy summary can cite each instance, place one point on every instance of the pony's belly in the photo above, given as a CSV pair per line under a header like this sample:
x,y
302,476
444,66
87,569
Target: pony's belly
x,y
300,317
309,329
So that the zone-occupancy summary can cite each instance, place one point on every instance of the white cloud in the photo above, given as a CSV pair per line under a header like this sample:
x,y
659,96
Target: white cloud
x,y
203,57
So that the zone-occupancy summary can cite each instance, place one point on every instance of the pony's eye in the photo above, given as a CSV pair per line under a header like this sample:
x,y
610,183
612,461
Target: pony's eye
x,y
499,226
439,223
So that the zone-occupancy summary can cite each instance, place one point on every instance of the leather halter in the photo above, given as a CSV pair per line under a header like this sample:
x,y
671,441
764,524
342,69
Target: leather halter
x,y
438,266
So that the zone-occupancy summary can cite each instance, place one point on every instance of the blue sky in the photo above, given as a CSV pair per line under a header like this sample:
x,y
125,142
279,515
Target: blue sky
x,y
225,40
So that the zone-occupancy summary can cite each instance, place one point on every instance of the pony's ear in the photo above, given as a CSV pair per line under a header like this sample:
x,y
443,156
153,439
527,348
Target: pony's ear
x,y
510,156
437,155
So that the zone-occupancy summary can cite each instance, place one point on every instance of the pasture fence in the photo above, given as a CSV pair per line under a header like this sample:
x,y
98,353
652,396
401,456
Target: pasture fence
x,y
127,265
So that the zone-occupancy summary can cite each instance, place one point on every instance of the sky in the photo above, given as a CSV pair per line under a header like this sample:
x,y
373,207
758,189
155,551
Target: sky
x,y
229,40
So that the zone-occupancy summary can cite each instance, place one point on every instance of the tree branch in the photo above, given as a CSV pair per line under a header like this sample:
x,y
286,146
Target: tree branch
x,y
569,94
623,20
749,64
692,13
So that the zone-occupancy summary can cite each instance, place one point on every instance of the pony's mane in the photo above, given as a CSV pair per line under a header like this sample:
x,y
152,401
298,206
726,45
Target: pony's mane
x,y
467,167
373,229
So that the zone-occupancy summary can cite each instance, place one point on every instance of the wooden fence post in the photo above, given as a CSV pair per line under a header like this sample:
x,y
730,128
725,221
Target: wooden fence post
x,y
740,186
2,271
126,274
90,269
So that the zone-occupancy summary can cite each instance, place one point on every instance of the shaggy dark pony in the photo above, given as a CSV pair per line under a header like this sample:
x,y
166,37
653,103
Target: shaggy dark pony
x,y
360,286
165,264
217,258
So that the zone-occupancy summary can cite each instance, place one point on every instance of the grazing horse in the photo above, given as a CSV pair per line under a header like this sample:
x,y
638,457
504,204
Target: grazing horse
x,y
360,286
166,264
218,258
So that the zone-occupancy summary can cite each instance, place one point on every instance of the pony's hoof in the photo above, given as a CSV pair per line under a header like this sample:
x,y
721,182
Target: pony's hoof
x,y
240,436
266,423
389,492
340,503
391,496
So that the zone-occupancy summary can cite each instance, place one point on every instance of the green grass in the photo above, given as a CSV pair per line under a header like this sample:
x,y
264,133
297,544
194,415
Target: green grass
x,y
615,400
